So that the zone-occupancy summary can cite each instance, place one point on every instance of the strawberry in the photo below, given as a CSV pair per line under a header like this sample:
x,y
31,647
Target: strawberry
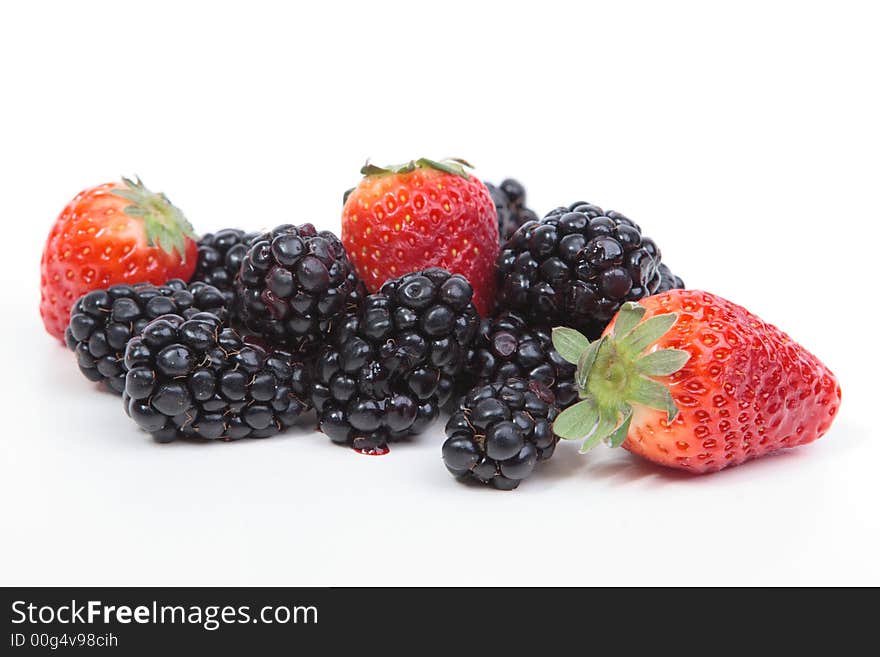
x,y
692,381
419,215
109,234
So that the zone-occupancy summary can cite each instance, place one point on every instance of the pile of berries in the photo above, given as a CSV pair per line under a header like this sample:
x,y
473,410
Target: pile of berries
x,y
443,293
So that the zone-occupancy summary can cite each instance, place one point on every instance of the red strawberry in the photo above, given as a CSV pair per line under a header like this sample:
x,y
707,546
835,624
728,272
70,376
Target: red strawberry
x,y
692,381
418,215
109,234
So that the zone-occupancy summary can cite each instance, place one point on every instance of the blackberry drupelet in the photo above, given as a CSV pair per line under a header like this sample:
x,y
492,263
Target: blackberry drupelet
x,y
508,347
103,321
391,363
220,257
510,204
576,267
192,378
294,281
668,281
500,432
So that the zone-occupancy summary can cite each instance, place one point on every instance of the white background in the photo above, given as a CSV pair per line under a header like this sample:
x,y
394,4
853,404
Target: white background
x,y
744,140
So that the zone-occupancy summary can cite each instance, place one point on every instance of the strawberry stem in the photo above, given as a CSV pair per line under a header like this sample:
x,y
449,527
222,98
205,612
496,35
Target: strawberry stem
x,y
615,374
164,224
455,166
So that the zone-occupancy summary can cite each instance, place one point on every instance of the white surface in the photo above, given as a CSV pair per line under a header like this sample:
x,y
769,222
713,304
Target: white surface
x,y
744,141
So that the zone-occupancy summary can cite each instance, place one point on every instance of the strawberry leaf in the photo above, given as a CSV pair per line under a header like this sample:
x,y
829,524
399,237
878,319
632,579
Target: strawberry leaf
x,y
585,362
462,162
577,421
454,166
663,362
653,394
165,241
152,230
447,166
648,332
164,225
590,443
604,427
619,435
570,343
629,316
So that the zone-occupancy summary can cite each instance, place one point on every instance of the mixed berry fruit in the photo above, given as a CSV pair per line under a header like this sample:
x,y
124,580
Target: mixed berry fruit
x,y
500,432
577,266
510,347
444,294
115,233
293,282
392,363
418,215
196,378
104,321
692,381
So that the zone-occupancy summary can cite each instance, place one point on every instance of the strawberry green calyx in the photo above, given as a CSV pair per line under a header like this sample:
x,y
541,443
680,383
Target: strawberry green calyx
x,y
455,166
614,374
164,224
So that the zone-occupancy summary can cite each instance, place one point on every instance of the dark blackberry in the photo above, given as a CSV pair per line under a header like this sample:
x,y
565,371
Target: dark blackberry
x,y
508,347
576,267
192,378
294,281
220,257
510,204
391,363
668,280
500,432
103,321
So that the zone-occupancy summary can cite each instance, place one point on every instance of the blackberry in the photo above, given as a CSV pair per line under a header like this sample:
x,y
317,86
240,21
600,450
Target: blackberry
x,y
508,347
668,281
220,256
392,362
510,204
500,432
294,281
103,321
576,267
192,378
